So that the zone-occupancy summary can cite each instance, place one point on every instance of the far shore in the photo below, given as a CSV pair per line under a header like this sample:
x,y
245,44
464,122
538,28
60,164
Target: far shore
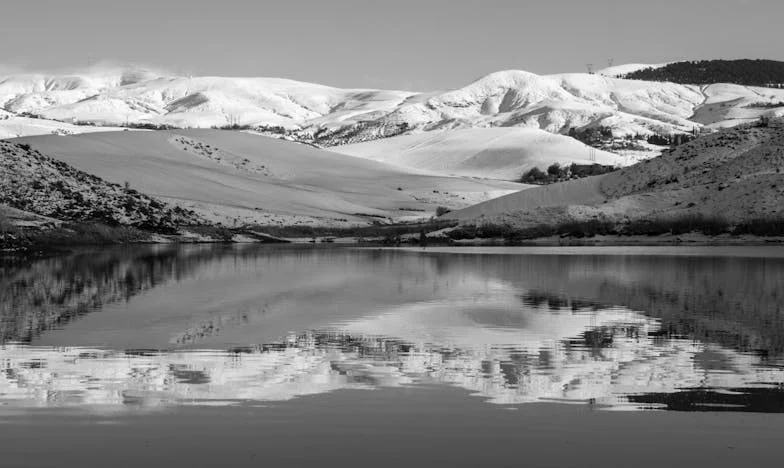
x,y
414,236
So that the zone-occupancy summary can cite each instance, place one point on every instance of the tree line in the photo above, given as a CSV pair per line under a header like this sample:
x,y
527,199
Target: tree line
x,y
765,73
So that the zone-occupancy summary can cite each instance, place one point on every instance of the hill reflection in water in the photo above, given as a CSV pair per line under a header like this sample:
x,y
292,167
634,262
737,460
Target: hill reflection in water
x,y
618,332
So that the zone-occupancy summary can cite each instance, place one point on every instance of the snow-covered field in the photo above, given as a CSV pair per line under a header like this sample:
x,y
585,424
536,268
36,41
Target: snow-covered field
x,y
236,177
626,68
499,153
13,126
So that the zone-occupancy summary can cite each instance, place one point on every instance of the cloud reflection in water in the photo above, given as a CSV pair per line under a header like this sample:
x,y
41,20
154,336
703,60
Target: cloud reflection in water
x,y
500,347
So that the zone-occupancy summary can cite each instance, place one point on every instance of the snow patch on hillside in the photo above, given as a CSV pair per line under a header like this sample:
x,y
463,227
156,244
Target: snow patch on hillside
x,y
619,70
497,153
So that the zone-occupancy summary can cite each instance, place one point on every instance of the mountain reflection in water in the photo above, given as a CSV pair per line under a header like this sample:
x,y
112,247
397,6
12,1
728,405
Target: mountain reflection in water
x,y
617,332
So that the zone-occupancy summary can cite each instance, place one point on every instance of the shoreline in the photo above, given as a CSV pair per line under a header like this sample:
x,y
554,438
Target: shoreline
x,y
38,247
40,251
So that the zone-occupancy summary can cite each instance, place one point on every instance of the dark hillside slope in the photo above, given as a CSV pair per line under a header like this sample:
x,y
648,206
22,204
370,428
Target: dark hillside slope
x,y
35,183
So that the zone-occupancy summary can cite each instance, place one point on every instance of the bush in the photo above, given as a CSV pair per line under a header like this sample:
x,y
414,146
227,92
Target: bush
x,y
588,228
761,227
535,232
377,230
5,224
708,225
89,234
534,176
463,232
442,210
557,173
587,170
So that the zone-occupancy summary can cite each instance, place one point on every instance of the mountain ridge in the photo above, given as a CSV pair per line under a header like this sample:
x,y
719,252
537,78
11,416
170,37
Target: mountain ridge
x,y
330,116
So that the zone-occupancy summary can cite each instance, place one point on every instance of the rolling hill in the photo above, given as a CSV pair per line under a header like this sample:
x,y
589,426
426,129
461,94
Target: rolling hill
x,y
736,174
237,178
498,153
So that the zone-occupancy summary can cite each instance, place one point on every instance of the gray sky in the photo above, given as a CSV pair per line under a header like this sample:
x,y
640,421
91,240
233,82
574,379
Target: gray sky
x,y
404,44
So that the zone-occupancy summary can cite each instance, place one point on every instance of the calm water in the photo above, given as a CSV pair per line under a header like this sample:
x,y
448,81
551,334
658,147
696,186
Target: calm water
x,y
524,349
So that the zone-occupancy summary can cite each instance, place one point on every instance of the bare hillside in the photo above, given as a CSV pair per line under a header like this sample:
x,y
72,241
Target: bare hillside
x,y
37,184
736,174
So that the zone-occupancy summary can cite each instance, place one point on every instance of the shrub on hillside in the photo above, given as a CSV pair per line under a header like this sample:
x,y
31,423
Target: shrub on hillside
x,y
442,210
587,228
557,173
534,176
89,234
708,225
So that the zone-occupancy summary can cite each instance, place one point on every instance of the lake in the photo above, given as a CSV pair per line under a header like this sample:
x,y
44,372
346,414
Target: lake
x,y
245,355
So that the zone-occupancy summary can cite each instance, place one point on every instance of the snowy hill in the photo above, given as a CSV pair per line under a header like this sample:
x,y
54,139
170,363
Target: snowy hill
x,y
332,116
620,70
12,126
119,97
499,153
237,177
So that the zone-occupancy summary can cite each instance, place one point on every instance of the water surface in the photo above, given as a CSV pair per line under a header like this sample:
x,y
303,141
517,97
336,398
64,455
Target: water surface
x,y
283,332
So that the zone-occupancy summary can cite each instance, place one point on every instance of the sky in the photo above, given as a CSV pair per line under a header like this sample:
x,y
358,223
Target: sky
x,y
395,44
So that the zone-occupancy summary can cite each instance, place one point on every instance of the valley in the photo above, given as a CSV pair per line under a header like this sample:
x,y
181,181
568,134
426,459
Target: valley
x,y
289,156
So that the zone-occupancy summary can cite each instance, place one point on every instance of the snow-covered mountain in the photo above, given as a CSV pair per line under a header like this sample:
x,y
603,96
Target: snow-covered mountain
x,y
332,116
120,97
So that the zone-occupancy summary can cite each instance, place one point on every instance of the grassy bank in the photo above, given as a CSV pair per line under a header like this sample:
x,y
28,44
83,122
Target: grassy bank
x,y
707,225
16,239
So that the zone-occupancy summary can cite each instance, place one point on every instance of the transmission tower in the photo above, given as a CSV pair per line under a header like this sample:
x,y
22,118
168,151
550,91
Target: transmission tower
x,y
589,66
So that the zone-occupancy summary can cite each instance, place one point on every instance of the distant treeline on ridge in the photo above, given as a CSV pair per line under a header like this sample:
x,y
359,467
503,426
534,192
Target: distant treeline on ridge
x,y
766,73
